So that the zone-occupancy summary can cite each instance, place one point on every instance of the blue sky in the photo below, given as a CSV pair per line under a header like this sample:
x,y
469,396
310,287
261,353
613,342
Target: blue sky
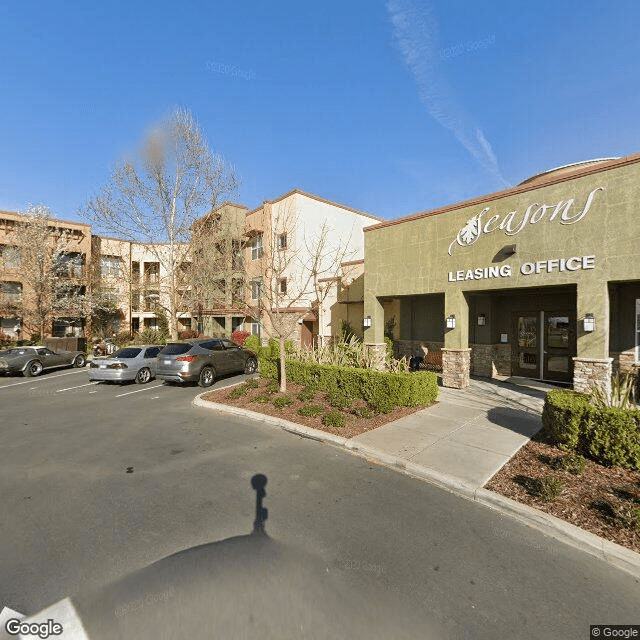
x,y
389,107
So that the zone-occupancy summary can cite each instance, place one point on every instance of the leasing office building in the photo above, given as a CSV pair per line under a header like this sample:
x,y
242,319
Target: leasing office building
x,y
541,280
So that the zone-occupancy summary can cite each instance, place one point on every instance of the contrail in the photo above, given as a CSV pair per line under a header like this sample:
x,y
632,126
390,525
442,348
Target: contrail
x,y
416,31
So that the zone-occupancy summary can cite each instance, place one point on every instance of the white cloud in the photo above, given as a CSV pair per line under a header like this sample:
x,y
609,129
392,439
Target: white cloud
x,y
415,29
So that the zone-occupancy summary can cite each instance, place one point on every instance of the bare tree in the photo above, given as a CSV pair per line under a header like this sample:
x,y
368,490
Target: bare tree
x,y
157,194
291,276
52,277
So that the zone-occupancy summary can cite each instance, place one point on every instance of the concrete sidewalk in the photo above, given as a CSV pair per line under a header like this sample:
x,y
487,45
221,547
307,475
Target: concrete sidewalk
x,y
469,434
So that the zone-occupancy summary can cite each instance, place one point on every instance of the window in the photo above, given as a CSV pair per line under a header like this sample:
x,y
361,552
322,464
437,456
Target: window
x,y
109,296
236,323
69,265
282,241
11,291
283,285
10,257
256,288
152,352
256,247
212,345
109,266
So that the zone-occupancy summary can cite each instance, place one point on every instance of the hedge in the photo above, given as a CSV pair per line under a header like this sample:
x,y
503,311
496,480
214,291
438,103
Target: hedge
x,y
609,436
383,390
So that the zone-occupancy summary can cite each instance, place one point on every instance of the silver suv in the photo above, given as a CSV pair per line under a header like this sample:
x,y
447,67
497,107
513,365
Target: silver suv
x,y
203,360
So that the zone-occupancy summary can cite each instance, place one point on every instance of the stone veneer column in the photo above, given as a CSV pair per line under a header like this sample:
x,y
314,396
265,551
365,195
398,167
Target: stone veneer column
x,y
456,364
378,351
592,372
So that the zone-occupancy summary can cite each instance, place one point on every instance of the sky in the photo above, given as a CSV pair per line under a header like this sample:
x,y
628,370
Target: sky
x,y
391,107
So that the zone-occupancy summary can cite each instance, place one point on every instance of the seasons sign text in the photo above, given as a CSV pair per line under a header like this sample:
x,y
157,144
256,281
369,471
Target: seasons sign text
x,y
513,223
575,263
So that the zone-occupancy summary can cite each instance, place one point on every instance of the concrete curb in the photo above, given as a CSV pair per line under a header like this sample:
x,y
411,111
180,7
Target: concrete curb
x,y
612,553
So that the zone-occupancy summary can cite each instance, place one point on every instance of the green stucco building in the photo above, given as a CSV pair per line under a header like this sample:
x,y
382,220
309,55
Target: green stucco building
x,y
541,280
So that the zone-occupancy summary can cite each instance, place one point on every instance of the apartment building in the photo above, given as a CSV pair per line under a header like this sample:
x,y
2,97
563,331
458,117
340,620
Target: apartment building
x,y
280,239
18,278
218,278
136,279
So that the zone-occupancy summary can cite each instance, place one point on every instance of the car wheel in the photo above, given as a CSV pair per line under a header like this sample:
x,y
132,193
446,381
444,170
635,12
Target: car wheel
x,y
33,368
250,366
207,377
80,361
143,376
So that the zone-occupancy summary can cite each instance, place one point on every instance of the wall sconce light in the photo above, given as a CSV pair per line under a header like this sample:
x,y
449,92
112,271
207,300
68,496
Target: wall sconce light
x,y
482,320
451,322
589,322
366,322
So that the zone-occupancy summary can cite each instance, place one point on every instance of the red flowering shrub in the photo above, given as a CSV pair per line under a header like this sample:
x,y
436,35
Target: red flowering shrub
x,y
239,337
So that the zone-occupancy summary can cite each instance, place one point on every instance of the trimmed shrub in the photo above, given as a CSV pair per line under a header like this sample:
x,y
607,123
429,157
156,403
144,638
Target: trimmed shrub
x,y
339,399
311,410
363,412
382,390
550,488
251,383
283,401
306,395
572,462
253,342
610,436
333,419
239,391
273,387
262,399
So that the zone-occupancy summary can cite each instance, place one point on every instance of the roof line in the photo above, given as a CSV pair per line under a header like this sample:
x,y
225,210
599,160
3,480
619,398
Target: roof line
x,y
521,188
52,219
314,197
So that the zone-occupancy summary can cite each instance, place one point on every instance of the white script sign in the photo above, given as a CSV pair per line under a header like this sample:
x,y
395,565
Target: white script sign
x,y
533,214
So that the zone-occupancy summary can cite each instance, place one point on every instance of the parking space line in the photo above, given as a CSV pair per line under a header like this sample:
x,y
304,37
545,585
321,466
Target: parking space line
x,y
137,391
15,384
78,387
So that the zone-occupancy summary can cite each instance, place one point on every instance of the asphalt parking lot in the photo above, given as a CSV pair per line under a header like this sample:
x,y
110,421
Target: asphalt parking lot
x,y
101,480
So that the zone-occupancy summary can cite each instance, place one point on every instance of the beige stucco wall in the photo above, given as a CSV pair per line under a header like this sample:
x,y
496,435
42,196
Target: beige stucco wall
x,y
411,256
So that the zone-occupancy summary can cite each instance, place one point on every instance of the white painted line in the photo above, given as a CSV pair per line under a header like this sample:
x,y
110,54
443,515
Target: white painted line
x,y
90,392
68,373
78,387
137,391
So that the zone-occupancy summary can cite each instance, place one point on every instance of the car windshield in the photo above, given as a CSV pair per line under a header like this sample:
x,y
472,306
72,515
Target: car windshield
x,y
175,348
16,352
127,352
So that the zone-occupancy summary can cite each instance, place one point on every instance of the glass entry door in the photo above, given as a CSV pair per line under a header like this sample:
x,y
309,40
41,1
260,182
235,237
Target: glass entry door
x,y
559,346
527,347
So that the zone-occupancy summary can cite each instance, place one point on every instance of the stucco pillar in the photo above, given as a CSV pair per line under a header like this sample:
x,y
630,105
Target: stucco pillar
x,y
456,354
592,366
374,335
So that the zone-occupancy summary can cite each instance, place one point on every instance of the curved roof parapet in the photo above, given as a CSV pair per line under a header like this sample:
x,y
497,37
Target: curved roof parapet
x,y
567,168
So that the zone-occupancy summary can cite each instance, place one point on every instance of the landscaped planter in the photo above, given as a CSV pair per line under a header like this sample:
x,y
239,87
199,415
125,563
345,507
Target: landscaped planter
x,y
609,436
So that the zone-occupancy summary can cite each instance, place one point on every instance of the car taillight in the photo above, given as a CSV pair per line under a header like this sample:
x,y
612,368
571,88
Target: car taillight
x,y
118,365
186,358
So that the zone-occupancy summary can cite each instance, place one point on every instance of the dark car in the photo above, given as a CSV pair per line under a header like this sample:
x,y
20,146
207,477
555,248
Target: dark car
x,y
203,360
32,361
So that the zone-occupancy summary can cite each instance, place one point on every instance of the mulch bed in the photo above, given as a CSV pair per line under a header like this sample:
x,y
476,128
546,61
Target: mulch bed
x,y
354,425
596,500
